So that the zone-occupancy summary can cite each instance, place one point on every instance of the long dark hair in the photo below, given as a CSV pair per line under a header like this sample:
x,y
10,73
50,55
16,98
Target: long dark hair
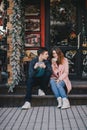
x,y
59,53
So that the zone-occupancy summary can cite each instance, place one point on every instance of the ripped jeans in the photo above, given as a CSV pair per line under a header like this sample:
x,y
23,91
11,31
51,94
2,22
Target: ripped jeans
x,y
58,88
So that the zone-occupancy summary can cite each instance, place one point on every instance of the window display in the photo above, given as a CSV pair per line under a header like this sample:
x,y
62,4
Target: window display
x,y
33,40
32,24
62,23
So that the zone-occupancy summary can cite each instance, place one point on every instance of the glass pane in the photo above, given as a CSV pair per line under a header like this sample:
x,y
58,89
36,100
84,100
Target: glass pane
x,y
62,23
32,8
84,29
33,40
71,55
84,69
32,24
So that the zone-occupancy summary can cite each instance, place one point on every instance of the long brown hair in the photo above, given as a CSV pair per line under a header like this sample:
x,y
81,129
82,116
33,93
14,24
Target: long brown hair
x,y
59,53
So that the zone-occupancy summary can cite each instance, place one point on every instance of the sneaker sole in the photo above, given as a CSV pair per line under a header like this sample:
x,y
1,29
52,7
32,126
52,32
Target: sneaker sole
x,y
25,108
65,107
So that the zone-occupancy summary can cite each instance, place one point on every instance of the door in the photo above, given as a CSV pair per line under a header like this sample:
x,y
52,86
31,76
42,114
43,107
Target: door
x,y
68,30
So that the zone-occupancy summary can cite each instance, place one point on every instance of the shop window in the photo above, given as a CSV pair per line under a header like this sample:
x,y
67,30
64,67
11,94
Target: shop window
x,y
34,29
32,24
62,23
84,64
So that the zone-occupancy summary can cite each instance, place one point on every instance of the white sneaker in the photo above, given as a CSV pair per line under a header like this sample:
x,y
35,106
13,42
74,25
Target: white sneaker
x,y
59,100
41,93
26,105
66,104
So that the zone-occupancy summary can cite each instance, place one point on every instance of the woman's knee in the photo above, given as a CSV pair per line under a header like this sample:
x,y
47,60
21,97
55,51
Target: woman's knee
x,y
52,81
61,84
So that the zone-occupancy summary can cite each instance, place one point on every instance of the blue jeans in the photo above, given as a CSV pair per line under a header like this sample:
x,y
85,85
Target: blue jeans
x,y
58,88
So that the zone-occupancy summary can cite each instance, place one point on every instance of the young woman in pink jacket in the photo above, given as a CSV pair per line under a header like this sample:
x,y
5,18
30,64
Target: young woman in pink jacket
x,y
59,81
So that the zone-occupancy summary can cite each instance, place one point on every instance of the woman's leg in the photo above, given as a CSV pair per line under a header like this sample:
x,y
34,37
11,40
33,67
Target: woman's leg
x,y
65,102
60,86
54,88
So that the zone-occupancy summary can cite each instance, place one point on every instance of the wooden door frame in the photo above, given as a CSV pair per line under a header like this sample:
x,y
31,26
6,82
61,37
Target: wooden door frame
x,y
42,23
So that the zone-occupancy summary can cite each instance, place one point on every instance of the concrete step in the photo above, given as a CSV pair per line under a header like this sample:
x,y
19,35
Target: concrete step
x,y
78,95
12,100
78,87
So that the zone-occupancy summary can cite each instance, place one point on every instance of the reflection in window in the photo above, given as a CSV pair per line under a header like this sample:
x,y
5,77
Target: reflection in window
x,y
71,55
62,23
32,8
32,23
33,40
84,32
84,72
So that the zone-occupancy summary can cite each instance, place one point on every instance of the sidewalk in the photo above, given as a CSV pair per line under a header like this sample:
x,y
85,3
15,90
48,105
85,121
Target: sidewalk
x,y
44,118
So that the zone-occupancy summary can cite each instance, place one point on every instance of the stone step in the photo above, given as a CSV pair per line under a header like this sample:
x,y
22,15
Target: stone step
x,y
78,87
15,100
78,95
22,90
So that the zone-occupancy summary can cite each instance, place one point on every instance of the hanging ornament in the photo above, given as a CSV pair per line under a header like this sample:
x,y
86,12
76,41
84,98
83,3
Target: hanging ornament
x,y
62,10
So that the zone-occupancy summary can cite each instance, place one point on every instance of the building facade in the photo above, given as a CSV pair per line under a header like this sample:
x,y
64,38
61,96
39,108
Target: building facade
x,y
31,24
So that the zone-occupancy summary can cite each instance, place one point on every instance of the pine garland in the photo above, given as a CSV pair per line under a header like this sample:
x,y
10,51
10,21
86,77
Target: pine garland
x,y
17,43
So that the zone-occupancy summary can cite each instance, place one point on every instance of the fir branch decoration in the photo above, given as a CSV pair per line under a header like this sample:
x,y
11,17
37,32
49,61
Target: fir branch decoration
x,y
17,43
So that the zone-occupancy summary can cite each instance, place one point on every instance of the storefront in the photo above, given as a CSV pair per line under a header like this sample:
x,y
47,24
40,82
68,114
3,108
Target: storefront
x,y
48,23
68,30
